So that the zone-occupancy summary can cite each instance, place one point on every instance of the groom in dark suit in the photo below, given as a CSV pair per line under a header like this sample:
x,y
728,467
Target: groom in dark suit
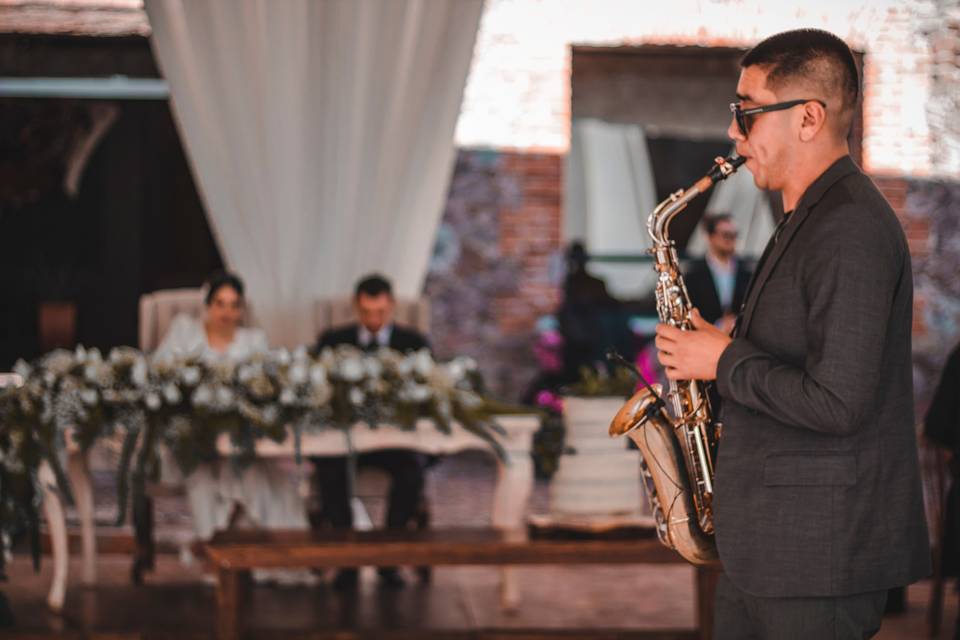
x,y
818,506
374,305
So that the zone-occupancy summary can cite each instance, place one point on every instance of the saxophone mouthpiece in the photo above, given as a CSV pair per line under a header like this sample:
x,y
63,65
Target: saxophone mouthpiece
x,y
724,167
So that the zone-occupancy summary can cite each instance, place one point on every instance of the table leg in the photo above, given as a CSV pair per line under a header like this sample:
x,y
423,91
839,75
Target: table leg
x,y
79,472
228,605
56,523
511,495
706,588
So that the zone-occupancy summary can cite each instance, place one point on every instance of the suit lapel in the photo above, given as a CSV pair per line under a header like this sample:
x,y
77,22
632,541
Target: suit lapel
x,y
766,268
841,168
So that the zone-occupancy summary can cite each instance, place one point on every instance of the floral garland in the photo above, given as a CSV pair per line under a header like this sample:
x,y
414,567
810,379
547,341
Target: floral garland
x,y
187,402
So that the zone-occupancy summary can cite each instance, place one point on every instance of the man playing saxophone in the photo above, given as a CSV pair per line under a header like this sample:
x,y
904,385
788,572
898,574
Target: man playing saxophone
x,y
817,504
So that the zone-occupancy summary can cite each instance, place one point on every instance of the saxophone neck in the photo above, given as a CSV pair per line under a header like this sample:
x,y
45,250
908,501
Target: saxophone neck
x,y
658,224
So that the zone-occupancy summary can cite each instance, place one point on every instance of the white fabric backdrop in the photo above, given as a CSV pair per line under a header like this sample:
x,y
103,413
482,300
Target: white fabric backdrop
x,y
609,193
320,133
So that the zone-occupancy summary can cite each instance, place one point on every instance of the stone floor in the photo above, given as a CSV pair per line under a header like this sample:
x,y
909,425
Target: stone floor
x,y
176,601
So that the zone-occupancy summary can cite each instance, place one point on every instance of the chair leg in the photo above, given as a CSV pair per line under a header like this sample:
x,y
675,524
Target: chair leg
x,y
144,553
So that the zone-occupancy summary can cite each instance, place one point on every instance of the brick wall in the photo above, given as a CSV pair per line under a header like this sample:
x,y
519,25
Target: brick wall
x,y
930,213
530,234
489,279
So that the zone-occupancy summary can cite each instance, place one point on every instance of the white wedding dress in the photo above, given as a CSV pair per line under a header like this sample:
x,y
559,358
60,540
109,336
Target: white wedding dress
x,y
265,490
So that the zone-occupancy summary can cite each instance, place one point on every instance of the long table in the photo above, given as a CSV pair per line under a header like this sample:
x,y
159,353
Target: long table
x,y
511,495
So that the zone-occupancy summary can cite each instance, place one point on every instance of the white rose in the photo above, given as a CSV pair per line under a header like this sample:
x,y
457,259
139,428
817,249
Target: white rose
x,y
374,367
300,354
351,369
287,397
172,394
89,396
283,357
246,373
224,396
415,392
80,353
356,396
90,372
59,361
190,375
271,413
202,396
139,372
298,373
22,369
457,369
405,366
423,363
153,401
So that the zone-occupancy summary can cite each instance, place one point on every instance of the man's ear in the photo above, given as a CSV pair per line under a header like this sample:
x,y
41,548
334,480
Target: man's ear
x,y
814,118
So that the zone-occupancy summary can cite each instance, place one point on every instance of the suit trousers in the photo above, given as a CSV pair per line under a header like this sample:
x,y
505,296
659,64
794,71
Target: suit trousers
x,y
741,616
406,486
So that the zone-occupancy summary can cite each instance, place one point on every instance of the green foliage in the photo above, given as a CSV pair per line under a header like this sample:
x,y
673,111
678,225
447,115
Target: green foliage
x,y
188,404
595,384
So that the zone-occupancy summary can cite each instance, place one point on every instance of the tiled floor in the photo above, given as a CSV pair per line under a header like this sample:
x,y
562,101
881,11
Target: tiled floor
x,y
176,602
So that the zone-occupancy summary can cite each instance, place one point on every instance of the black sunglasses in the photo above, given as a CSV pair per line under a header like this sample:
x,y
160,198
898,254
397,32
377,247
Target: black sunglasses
x,y
741,115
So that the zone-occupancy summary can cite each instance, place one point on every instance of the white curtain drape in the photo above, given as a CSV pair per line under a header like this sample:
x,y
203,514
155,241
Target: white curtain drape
x,y
320,134
609,194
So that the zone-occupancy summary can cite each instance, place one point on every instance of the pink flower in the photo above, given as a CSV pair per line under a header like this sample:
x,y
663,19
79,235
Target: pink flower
x,y
549,400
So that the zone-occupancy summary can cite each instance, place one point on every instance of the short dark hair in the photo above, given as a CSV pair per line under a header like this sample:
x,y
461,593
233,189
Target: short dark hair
x,y
815,57
711,220
373,285
219,279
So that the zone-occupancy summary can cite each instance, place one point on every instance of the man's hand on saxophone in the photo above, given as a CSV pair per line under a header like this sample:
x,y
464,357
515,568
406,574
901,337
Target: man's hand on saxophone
x,y
693,354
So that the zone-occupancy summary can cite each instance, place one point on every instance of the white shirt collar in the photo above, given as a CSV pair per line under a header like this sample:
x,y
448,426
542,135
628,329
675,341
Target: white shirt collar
x,y
382,337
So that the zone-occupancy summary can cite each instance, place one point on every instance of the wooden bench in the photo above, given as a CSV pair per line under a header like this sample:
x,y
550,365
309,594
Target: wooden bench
x,y
236,553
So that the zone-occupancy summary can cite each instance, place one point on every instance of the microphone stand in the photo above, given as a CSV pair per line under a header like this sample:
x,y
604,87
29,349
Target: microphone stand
x,y
654,408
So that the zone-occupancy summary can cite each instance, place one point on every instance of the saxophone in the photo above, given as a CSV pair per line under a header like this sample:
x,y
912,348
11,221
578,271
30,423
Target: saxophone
x,y
677,453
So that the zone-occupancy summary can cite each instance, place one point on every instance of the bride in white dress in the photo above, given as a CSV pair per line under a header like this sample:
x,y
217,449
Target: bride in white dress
x,y
264,490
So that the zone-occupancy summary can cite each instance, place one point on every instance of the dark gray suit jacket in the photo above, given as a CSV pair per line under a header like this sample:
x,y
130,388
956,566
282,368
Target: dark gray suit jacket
x,y
817,478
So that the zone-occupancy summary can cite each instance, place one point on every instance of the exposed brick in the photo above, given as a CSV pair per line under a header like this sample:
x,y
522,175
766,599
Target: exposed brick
x,y
919,326
531,233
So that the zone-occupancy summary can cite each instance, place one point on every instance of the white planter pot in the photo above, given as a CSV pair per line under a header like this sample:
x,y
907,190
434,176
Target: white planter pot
x,y
603,477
